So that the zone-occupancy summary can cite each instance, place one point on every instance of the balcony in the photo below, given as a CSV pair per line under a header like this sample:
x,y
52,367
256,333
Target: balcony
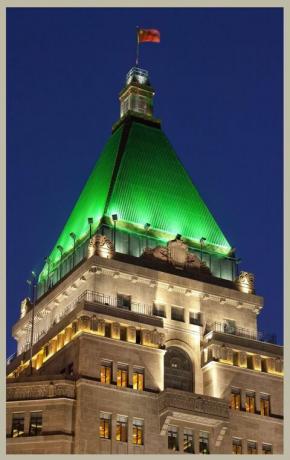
x,y
225,328
200,408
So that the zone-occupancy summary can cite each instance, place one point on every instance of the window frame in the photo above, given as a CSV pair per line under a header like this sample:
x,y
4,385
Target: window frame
x,y
106,421
37,430
237,447
173,438
188,433
18,416
250,402
138,432
106,372
122,428
122,375
139,384
177,308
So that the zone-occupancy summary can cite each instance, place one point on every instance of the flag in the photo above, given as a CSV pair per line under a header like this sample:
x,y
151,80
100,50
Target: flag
x,y
148,35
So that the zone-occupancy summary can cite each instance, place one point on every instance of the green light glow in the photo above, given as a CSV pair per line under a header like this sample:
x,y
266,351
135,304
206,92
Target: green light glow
x,y
151,185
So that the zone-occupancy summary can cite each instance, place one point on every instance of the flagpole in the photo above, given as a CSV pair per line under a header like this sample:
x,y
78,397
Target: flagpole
x,y
137,50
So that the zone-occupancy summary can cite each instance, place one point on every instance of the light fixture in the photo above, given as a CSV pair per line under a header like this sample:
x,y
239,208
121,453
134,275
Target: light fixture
x,y
115,217
202,240
90,222
178,236
147,226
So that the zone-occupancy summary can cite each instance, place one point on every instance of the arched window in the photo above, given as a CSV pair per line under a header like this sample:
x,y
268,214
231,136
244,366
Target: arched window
x,y
178,371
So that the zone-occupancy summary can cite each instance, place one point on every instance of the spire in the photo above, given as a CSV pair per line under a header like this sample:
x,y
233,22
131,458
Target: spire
x,y
137,95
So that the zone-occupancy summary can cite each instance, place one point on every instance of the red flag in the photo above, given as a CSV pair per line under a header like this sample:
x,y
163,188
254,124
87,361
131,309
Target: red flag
x,y
148,35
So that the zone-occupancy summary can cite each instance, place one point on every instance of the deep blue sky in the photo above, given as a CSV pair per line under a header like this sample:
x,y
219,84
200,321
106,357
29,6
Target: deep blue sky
x,y
218,75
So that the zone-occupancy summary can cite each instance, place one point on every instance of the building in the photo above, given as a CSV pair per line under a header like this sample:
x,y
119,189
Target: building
x,y
144,331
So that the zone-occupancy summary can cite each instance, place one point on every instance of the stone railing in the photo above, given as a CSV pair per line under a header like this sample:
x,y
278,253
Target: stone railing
x,y
206,405
20,392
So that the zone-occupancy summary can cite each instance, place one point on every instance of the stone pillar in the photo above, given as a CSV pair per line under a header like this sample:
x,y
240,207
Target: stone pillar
x,y
67,334
180,439
101,327
115,331
60,340
39,359
52,346
113,435
196,441
131,334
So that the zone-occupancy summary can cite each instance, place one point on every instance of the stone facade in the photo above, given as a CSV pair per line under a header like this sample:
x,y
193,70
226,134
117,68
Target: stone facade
x,y
82,327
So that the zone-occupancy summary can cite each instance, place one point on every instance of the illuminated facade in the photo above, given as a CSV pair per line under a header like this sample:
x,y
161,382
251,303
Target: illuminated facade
x,y
144,331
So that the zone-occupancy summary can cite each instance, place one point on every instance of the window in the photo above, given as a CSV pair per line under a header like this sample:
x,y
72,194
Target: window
x,y
195,318
105,425
235,399
159,309
106,372
138,427
250,402
237,446
265,404
122,376
229,326
252,447
122,428
188,441
124,301
267,449
172,435
138,379
203,442
250,364
35,427
177,313
17,425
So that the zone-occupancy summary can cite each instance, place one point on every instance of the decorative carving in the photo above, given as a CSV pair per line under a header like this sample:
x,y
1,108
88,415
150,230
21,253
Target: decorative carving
x,y
36,391
194,403
177,254
245,282
25,307
101,246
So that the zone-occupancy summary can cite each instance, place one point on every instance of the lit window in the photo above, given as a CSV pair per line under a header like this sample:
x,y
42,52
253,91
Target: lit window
x,y
236,399
122,428
122,376
105,425
138,426
265,404
138,379
172,434
267,449
203,442
106,372
17,425
188,441
35,427
237,446
177,313
252,447
250,402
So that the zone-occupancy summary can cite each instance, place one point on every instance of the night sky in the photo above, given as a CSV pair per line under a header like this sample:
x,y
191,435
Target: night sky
x,y
218,76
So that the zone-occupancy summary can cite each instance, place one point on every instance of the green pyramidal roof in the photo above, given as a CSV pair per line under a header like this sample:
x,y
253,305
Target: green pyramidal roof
x,y
139,177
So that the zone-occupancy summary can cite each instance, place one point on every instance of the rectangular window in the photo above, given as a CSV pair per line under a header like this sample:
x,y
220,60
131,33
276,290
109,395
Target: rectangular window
x,y
159,309
124,301
17,425
138,379
265,404
105,425
195,318
252,447
172,434
188,441
122,428
138,428
35,427
250,364
237,446
235,399
203,442
229,326
122,376
106,372
267,449
177,313
250,402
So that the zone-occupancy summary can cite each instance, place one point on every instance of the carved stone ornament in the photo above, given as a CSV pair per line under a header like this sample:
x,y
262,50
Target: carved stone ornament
x,y
101,246
245,282
177,254
25,307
